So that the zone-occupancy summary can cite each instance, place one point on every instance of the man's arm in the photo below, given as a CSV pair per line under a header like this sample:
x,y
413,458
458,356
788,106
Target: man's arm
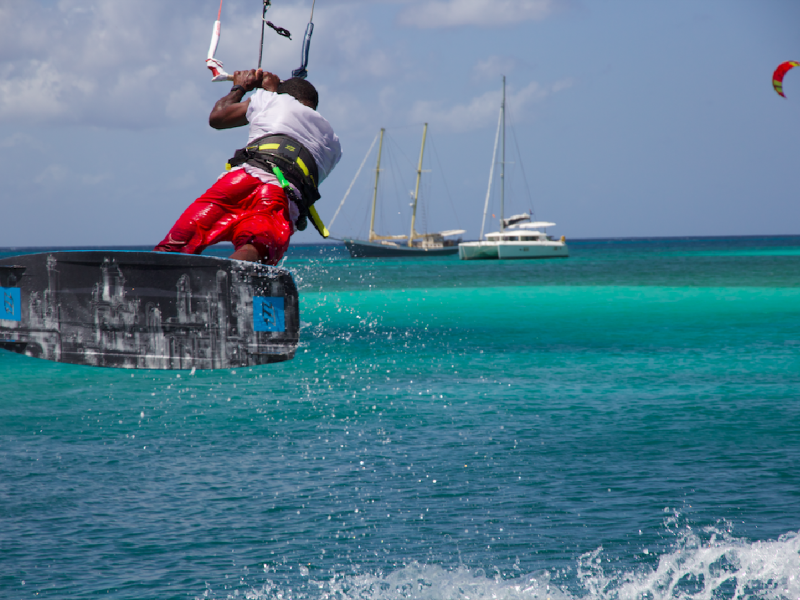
x,y
230,111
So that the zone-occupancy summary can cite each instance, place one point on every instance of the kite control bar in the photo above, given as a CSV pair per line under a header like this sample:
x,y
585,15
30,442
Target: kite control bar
x,y
215,65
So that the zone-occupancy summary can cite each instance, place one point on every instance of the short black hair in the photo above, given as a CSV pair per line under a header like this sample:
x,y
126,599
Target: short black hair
x,y
300,89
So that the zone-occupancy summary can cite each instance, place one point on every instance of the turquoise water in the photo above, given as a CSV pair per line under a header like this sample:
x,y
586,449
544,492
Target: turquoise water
x,y
621,424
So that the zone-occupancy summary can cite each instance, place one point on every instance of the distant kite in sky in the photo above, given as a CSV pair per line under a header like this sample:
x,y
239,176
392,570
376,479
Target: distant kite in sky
x,y
777,77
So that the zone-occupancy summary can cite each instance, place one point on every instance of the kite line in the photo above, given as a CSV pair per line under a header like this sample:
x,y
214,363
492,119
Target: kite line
x,y
215,65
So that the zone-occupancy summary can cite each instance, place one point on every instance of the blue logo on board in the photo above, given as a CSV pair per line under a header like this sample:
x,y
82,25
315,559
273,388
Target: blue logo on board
x,y
10,305
268,314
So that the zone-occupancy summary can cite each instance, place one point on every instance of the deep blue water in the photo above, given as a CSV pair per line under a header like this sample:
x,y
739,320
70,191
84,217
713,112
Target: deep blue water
x,y
621,424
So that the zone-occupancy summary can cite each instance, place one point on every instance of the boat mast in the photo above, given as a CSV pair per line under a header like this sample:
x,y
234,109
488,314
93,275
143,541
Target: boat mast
x,y
503,160
491,173
372,236
416,189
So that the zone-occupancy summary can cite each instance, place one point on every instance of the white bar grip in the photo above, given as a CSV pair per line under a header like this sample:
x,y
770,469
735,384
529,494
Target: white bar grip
x,y
215,66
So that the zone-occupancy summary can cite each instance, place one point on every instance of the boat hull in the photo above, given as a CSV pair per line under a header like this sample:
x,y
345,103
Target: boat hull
x,y
477,251
522,250
364,249
511,250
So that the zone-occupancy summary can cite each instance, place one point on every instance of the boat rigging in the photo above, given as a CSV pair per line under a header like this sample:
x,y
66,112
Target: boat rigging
x,y
415,243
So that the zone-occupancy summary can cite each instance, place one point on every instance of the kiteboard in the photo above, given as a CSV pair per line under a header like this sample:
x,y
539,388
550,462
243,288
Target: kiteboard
x,y
147,310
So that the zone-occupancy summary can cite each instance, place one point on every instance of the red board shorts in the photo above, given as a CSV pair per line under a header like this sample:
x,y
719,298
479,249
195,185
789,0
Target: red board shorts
x,y
238,208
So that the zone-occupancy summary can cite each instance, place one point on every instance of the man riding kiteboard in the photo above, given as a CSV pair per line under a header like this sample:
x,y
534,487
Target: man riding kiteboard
x,y
270,188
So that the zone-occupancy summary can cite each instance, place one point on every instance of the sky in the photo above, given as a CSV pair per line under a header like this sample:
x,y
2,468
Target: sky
x,y
625,118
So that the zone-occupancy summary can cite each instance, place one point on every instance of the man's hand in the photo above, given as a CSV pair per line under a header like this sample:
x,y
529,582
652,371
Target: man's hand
x,y
229,111
249,80
270,81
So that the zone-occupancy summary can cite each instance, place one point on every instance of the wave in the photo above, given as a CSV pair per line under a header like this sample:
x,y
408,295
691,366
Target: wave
x,y
710,565
707,565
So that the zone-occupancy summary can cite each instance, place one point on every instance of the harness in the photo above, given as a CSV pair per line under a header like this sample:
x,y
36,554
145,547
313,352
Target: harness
x,y
291,162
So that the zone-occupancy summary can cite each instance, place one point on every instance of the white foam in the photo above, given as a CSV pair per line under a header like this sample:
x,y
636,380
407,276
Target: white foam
x,y
421,582
708,565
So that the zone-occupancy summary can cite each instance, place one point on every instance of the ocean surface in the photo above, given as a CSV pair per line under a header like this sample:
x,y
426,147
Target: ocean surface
x,y
622,424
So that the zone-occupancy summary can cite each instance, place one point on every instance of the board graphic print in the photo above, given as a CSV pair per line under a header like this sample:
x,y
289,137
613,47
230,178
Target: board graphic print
x,y
147,310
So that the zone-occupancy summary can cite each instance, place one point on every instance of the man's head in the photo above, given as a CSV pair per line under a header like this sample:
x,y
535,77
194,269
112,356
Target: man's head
x,y
300,89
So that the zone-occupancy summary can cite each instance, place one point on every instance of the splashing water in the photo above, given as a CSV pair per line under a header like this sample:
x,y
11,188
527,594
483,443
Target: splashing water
x,y
710,565
421,582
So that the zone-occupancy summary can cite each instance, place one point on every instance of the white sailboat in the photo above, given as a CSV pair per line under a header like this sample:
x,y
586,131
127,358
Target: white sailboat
x,y
519,237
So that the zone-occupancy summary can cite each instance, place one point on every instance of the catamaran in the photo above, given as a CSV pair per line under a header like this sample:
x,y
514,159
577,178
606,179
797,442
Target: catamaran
x,y
519,237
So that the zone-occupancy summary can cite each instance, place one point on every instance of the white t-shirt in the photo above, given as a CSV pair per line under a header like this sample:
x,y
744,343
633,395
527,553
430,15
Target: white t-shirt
x,y
281,114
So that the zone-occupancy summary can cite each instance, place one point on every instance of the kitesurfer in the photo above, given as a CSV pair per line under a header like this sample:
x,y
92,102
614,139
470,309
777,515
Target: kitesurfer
x,y
271,186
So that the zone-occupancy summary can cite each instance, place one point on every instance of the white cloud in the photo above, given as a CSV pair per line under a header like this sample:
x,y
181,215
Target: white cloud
x,y
95,179
122,65
483,110
59,175
119,64
19,140
460,117
53,174
186,99
133,65
342,109
490,67
562,85
456,13
99,62
520,102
